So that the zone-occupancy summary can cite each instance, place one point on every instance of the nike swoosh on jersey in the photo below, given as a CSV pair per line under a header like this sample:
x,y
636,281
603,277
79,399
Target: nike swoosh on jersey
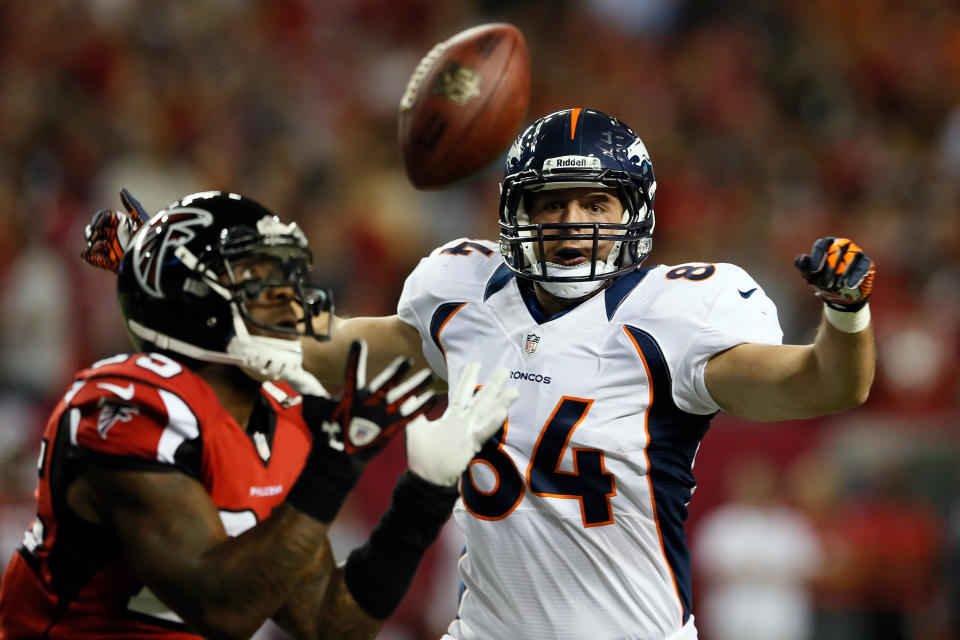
x,y
746,294
124,392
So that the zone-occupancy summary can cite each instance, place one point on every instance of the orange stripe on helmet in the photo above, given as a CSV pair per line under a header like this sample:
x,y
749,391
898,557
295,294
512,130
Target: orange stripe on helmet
x,y
574,116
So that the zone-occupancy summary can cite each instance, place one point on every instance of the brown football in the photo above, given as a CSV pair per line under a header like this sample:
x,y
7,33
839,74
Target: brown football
x,y
464,104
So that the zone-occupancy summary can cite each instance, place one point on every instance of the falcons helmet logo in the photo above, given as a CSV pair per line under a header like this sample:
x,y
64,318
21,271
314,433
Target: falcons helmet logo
x,y
154,242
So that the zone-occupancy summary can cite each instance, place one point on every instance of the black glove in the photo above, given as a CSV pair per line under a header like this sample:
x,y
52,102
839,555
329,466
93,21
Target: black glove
x,y
349,431
365,417
840,271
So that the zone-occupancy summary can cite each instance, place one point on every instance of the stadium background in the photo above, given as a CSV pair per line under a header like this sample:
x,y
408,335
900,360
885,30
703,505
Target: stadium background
x,y
769,123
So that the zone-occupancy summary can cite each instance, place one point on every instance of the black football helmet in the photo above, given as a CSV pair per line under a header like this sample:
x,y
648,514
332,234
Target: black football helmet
x,y
186,282
577,148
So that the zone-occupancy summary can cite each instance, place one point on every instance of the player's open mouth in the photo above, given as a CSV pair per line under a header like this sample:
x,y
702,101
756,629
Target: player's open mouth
x,y
568,257
288,322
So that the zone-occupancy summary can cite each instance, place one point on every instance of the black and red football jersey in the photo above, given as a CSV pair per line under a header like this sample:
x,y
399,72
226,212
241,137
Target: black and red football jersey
x,y
69,579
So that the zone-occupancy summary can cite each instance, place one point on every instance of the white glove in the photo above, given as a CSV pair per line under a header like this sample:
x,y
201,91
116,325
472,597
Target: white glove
x,y
439,450
304,382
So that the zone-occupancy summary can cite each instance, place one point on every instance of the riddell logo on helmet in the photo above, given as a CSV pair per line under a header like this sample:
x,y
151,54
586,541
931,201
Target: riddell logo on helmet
x,y
571,162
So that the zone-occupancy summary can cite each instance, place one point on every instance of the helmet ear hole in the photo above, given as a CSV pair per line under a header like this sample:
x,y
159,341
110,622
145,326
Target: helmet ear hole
x,y
527,201
196,287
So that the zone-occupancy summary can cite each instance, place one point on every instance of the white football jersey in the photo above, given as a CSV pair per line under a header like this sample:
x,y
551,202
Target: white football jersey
x,y
573,514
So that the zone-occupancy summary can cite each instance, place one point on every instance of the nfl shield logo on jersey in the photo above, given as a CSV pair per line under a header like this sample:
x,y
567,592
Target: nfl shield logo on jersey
x,y
530,344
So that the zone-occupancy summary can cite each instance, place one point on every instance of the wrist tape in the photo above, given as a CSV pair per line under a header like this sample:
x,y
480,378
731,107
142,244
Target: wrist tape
x,y
328,475
379,573
848,321
323,486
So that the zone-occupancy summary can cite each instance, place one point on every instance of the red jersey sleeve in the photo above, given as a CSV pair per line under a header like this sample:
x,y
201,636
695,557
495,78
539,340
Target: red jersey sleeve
x,y
129,420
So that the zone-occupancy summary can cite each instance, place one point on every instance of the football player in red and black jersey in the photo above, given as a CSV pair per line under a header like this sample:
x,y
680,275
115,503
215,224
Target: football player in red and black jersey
x,y
186,490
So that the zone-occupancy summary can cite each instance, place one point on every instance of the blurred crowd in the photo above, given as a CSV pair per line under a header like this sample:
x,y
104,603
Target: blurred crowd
x,y
770,124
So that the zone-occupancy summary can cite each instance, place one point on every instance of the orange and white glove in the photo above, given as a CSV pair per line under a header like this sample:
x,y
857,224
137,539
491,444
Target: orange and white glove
x,y
842,275
109,233
840,271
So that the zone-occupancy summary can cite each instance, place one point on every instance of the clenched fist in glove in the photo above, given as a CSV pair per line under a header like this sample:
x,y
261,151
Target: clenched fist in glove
x,y
109,233
840,271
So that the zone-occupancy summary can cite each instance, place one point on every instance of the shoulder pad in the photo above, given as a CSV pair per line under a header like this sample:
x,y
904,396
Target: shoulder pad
x,y
153,369
690,286
467,247
138,406
456,270
150,382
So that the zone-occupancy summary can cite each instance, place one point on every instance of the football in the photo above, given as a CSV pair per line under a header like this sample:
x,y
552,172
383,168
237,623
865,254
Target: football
x,y
464,104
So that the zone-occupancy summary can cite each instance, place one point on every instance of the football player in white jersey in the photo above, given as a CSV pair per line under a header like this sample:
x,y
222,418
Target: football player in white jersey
x,y
573,512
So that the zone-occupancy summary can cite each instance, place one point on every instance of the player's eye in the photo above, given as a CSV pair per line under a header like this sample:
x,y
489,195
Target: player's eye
x,y
596,206
250,289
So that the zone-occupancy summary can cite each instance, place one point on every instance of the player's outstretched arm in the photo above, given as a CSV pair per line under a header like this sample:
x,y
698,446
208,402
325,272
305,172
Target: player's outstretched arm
x,y
767,382
362,594
387,337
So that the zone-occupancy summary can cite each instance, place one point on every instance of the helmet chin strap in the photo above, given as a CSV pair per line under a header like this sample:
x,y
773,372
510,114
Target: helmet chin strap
x,y
261,357
571,290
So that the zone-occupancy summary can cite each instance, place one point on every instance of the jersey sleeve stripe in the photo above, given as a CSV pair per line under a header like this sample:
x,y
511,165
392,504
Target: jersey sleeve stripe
x,y
440,318
616,293
646,454
74,425
500,278
74,389
673,437
182,426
